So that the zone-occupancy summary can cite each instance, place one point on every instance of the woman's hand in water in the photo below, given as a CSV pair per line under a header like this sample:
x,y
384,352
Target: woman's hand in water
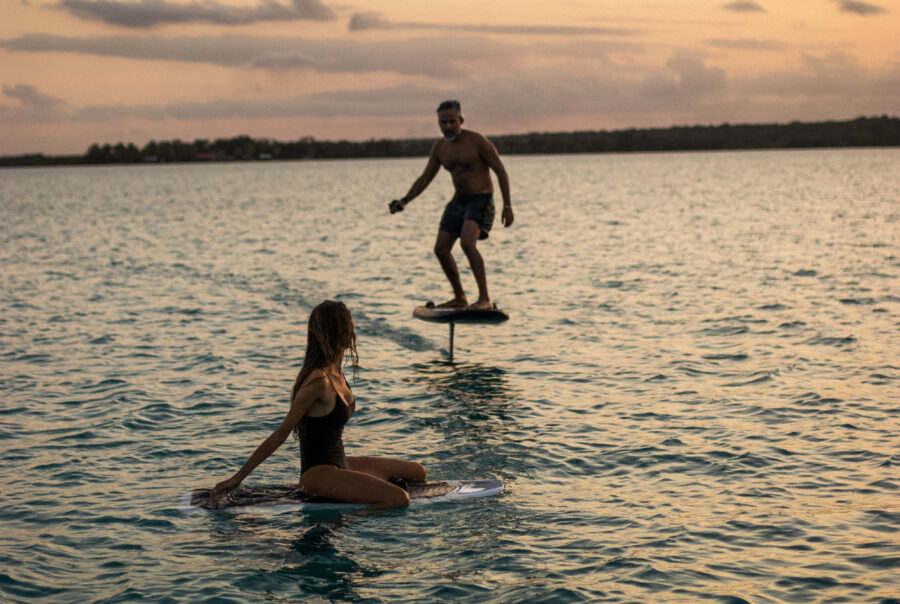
x,y
219,492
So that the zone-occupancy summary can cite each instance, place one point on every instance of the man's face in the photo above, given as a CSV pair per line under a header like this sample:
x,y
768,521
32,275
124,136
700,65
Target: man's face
x,y
450,122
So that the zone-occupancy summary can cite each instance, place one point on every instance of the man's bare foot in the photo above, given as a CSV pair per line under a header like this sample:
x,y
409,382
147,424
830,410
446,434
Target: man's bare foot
x,y
454,303
482,305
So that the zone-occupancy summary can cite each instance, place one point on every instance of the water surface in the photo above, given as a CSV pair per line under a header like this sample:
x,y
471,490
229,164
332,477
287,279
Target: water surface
x,y
695,398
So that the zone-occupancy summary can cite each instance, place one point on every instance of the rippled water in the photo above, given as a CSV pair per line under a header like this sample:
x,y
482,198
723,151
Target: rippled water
x,y
696,398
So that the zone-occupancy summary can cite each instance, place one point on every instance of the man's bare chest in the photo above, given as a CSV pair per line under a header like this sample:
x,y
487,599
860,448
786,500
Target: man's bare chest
x,y
460,159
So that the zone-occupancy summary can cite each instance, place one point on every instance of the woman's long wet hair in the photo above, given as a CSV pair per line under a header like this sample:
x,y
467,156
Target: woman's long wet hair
x,y
330,333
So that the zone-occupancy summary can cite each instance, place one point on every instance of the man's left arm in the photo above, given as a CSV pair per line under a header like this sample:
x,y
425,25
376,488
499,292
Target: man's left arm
x,y
492,159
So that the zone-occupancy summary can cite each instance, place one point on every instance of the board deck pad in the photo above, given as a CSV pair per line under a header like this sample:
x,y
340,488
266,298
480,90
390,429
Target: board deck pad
x,y
432,313
291,496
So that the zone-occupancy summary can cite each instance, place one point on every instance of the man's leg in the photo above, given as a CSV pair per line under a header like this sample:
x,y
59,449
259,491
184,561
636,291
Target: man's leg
x,y
468,239
443,249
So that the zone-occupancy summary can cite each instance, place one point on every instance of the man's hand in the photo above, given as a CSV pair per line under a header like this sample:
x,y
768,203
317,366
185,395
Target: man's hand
x,y
507,216
396,206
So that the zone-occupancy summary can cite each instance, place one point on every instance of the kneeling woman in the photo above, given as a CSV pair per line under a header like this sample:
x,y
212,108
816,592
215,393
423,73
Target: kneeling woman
x,y
321,403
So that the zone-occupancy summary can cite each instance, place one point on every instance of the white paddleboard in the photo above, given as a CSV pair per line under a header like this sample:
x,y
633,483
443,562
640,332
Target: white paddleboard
x,y
290,497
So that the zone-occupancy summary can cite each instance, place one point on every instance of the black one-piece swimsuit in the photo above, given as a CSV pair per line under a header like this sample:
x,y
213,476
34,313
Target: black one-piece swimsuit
x,y
321,441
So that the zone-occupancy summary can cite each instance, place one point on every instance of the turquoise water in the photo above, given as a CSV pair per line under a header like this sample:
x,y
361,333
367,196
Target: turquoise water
x,y
696,398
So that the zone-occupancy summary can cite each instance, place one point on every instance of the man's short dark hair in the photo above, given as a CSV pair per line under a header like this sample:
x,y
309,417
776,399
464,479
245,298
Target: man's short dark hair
x,y
452,104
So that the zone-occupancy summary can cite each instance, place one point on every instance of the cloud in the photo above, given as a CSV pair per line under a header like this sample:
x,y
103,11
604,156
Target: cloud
x,y
744,7
747,44
836,75
283,60
151,13
424,56
31,105
373,20
384,102
541,93
686,81
683,90
414,57
364,21
860,8
694,75
28,96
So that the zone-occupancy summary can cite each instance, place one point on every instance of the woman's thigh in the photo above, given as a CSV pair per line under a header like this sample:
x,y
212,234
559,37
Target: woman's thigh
x,y
352,486
385,467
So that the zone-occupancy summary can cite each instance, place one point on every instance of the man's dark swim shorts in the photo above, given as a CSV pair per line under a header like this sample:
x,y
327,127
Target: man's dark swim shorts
x,y
478,207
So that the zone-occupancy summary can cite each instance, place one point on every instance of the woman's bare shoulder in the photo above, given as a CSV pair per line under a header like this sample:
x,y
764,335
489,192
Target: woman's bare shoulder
x,y
314,384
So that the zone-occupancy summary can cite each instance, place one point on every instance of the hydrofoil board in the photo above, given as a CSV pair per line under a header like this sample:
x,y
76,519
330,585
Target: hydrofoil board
x,y
436,314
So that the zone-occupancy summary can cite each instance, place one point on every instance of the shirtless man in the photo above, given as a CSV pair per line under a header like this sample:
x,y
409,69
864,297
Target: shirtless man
x,y
469,157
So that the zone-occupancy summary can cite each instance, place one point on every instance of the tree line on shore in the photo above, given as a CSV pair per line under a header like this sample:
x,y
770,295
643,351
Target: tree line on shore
x,y
881,131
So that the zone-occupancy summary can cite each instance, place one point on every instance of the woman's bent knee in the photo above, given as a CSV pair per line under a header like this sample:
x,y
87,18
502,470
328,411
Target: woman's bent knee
x,y
396,498
399,499
419,472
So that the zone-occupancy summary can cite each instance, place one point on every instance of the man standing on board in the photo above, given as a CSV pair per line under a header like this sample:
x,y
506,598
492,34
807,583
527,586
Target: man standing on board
x,y
469,157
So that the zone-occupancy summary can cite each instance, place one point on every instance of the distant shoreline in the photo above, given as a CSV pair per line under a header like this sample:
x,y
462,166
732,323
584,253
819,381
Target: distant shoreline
x,y
883,131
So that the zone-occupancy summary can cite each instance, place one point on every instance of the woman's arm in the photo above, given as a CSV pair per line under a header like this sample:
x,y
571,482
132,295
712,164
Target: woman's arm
x,y
303,400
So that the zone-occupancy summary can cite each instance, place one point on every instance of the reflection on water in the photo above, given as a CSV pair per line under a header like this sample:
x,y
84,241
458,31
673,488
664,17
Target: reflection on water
x,y
474,414
300,552
472,384
319,567
469,399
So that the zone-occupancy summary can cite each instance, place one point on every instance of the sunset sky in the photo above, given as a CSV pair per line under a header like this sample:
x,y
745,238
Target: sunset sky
x,y
75,72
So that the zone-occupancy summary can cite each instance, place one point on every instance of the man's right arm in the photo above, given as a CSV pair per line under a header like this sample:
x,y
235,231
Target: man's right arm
x,y
421,183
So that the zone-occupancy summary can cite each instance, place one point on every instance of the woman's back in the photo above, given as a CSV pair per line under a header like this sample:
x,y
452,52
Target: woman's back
x,y
321,438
